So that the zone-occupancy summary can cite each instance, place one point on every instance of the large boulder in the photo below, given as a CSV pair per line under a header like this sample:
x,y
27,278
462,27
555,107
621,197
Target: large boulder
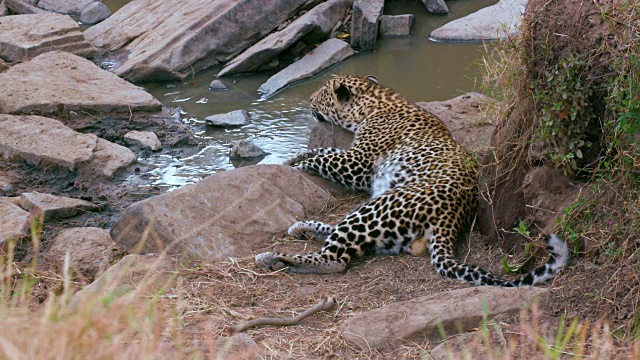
x,y
21,7
153,40
64,6
57,83
454,311
324,56
48,143
23,37
365,21
313,25
226,214
498,21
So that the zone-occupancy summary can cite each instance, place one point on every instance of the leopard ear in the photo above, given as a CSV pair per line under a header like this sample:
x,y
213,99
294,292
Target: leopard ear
x,y
372,79
342,92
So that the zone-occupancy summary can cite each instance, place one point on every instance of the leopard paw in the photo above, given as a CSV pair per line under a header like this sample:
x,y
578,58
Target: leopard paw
x,y
270,261
305,230
298,157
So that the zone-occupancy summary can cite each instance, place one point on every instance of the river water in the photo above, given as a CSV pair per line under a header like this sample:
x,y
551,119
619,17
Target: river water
x,y
419,69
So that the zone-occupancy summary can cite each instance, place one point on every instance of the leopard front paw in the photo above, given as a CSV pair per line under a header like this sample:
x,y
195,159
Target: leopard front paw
x,y
270,261
298,157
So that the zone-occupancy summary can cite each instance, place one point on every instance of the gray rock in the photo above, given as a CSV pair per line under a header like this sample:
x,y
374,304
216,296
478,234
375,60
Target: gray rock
x,y
422,318
64,6
217,85
233,118
396,25
324,56
72,84
91,250
14,223
21,7
238,346
23,37
144,139
158,40
498,21
4,10
364,24
325,134
437,7
226,214
108,158
314,25
51,206
246,149
298,48
44,142
94,13
134,275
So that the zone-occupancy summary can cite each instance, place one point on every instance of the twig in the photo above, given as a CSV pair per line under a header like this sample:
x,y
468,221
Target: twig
x,y
325,304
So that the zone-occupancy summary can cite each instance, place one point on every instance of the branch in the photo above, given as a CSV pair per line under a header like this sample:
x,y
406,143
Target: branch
x,y
325,304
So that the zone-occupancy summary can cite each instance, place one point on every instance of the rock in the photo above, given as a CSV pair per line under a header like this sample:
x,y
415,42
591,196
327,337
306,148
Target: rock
x,y
437,7
237,347
4,10
314,25
415,320
463,115
44,142
246,149
226,214
91,250
498,21
324,56
325,134
23,37
21,7
51,206
14,223
94,13
396,25
471,346
218,85
233,118
298,48
365,19
132,276
64,6
145,139
107,159
156,40
15,200
72,84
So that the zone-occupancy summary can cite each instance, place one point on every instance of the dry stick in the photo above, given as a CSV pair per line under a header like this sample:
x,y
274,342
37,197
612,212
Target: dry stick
x,y
325,304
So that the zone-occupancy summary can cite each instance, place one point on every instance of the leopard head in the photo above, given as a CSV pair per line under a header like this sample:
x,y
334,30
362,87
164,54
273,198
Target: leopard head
x,y
347,101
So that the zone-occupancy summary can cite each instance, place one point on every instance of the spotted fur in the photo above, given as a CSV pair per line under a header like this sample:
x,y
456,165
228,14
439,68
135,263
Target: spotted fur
x,y
422,182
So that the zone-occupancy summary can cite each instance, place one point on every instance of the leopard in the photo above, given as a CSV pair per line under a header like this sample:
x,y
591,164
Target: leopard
x,y
422,183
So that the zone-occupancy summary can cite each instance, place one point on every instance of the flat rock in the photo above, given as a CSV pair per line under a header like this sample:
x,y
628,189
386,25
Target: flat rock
x,y
471,346
313,25
498,21
155,40
44,142
454,311
396,25
21,7
134,275
464,116
233,118
217,85
14,222
226,214
72,84
64,6
365,20
51,206
437,7
246,149
108,158
94,13
144,139
324,56
23,37
237,347
91,250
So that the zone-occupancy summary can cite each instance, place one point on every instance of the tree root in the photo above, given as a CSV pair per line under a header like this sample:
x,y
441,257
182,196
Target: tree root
x,y
325,304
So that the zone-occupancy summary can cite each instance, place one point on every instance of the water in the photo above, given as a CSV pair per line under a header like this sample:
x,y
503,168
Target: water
x,y
419,69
